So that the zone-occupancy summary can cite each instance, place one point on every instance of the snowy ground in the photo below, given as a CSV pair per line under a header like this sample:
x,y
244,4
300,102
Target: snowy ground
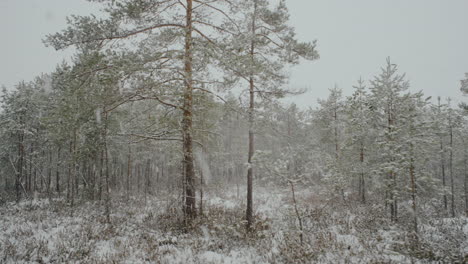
x,y
39,231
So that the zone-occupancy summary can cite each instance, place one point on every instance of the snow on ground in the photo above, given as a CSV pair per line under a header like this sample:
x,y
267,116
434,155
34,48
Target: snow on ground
x,y
39,231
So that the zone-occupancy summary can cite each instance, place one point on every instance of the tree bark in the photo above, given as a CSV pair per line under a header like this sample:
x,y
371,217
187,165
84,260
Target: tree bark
x,y
138,176
106,154
19,168
413,195
249,211
101,175
442,165
74,176
49,174
335,118
392,175
466,182
28,178
362,178
69,172
129,170
201,191
57,173
442,160
298,215
452,187
35,179
190,199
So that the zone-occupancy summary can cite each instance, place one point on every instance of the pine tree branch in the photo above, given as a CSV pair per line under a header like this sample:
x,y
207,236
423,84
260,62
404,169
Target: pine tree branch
x,y
210,92
218,10
213,26
141,97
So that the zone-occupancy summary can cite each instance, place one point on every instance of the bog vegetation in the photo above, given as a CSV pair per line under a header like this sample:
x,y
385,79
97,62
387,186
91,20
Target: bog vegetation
x,y
165,140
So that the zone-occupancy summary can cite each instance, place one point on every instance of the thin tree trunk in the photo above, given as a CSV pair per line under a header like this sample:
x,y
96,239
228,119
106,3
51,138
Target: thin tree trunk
x,y
201,191
395,200
190,199
298,215
6,184
157,171
138,174
466,182
129,169
19,169
442,160
42,170
107,210
49,174
442,164
35,179
335,117
392,174
122,177
69,172
362,180
74,172
147,178
413,194
101,175
249,211
57,173
93,175
452,188
28,178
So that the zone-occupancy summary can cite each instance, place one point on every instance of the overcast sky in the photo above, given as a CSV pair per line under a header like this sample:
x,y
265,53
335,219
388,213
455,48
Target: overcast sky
x,y
426,38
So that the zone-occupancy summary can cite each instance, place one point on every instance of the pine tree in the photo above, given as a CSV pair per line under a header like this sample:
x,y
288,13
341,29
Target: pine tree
x,y
464,84
416,142
360,134
177,43
330,120
387,103
266,45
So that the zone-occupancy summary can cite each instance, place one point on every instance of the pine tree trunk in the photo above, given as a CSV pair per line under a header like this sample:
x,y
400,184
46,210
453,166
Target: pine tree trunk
x,y
34,183
391,188
147,179
28,178
106,154
452,195
129,170
466,182
49,174
138,174
92,188
190,199
201,191
158,176
69,172
296,210
362,180
57,173
249,211
335,118
394,198
101,174
442,164
19,167
74,172
413,195
442,160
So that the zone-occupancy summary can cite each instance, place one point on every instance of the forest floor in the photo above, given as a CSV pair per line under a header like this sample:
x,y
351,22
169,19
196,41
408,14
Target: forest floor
x,y
151,231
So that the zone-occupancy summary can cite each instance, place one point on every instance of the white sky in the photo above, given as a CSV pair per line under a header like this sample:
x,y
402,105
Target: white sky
x,y
426,38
